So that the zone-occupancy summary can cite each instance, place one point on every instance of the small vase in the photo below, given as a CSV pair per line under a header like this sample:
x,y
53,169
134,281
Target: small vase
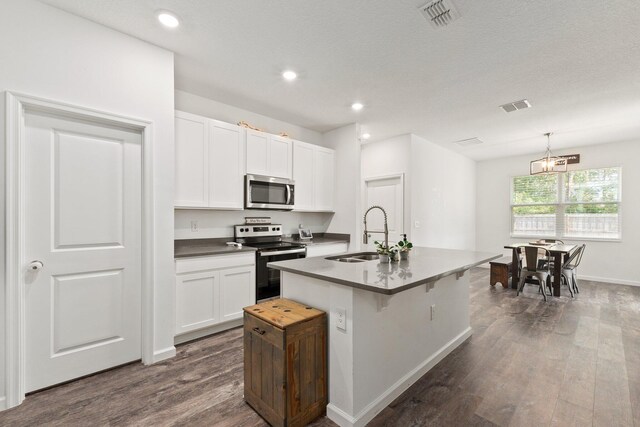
x,y
404,256
384,259
394,257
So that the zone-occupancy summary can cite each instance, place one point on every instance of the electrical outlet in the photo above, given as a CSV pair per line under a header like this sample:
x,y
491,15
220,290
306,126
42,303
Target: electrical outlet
x,y
194,226
433,311
416,224
341,319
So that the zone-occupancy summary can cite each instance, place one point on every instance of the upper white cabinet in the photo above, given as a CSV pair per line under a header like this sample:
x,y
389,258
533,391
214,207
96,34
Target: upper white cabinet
x,y
191,183
313,173
209,163
226,166
324,171
268,154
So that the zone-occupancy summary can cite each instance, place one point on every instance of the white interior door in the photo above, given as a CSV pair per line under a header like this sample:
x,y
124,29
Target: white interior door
x,y
83,223
387,192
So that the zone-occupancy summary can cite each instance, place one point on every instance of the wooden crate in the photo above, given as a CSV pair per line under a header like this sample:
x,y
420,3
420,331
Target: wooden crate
x,y
285,362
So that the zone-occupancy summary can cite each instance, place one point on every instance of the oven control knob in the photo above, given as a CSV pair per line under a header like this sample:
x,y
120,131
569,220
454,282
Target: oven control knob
x,y
273,229
278,228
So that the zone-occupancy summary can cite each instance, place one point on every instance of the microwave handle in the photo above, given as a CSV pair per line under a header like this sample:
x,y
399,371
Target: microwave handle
x,y
288,194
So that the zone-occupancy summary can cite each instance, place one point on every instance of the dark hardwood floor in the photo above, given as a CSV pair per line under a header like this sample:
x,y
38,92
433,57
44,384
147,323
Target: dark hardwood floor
x,y
563,363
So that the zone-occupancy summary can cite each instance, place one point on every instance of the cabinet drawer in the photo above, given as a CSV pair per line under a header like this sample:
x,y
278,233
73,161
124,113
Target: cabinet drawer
x,y
189,265
264,330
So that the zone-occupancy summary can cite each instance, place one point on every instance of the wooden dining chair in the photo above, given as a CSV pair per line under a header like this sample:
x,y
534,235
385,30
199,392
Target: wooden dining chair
x,y
533,269
569,274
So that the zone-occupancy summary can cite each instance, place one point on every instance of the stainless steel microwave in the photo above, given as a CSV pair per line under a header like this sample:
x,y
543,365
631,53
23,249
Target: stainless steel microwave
x,y
266,192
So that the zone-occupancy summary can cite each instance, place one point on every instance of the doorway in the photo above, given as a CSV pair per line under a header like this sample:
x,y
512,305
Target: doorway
x,y
79,247
388,192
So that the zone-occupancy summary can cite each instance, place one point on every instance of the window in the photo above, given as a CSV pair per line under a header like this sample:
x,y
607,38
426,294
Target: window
x,y
583,204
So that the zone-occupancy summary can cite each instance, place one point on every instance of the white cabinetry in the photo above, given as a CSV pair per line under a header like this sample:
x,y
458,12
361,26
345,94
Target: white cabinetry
x,y
209,163
212,290
327,249
191,182
313,173
268,154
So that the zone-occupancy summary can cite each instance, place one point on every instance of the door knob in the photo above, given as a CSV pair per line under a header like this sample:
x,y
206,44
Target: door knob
x,y
35,265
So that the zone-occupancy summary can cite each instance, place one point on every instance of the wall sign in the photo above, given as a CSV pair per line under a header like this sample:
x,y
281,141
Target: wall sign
x,y
571,158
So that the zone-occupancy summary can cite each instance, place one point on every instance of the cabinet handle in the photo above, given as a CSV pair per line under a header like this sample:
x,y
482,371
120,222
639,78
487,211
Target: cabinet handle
x,y
259,331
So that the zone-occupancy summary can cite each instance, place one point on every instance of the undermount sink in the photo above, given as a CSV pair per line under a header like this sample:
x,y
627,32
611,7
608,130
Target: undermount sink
x,y
355,257
348,260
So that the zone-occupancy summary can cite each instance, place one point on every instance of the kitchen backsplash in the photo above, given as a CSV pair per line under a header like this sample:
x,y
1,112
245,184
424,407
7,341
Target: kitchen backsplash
x,y
200,224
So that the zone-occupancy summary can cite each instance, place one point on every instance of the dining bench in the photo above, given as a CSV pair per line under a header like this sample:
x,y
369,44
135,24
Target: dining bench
x,y
500,271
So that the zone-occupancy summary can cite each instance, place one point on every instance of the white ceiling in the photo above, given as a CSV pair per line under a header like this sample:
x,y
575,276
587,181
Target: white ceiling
x,y
576,61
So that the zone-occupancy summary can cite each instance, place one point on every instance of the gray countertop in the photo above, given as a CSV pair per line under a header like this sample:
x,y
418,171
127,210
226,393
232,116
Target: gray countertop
x,y
320,239
424,265
218,246
204,247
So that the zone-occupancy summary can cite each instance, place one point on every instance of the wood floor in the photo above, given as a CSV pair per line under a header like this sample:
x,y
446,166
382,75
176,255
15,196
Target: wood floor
x,y
563,363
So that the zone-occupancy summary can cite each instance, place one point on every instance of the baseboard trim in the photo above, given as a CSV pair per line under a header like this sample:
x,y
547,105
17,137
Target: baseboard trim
x,y
163,354
3,403
609,280
200,333
343,419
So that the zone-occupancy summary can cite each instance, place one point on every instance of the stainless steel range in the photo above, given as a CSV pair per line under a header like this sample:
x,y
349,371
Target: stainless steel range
x,y
267,239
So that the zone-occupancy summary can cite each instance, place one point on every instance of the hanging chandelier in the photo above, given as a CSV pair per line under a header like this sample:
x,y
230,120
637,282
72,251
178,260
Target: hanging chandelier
x,y
549,163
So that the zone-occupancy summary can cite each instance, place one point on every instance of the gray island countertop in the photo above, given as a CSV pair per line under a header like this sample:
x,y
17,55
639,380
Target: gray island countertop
x,y
424,265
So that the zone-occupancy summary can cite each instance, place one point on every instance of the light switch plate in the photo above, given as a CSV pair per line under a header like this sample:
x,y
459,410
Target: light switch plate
x,y
341,319
194,226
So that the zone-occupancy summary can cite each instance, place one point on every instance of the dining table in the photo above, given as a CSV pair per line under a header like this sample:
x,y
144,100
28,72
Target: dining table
x,y
558,251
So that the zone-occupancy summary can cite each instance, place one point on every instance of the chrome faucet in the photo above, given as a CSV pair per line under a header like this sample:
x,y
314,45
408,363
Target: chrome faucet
x,y
365,237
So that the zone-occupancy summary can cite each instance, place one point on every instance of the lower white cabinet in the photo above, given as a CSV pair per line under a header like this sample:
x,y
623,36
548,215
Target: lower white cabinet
x,y
213,290
237,290
327,249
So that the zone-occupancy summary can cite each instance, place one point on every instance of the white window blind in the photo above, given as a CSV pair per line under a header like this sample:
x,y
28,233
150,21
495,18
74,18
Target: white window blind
x,y
584,204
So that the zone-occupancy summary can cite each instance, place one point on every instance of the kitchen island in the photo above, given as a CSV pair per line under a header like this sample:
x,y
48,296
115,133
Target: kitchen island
x,y
388,323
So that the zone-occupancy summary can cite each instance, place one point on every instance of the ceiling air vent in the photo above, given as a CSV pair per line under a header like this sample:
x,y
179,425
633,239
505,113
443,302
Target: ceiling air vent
x,y
469,141
439,13
515,106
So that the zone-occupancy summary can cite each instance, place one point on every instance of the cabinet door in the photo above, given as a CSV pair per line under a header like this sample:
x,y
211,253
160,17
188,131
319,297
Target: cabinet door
x,y
257,152
237,290
226,165
324,166
191,175
280,156
197,300
303,175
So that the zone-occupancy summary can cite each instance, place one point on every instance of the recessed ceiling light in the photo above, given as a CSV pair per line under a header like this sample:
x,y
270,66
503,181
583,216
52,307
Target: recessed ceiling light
x,y
289,75
366,136
357,106
168,20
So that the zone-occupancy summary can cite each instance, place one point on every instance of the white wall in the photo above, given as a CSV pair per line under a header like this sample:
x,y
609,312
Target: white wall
x,y
195,104
51,54
603,261
443,197
439,189
348,211
389,157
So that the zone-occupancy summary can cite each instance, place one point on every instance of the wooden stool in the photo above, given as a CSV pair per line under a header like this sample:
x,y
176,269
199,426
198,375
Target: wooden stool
x,y
285,362
500,271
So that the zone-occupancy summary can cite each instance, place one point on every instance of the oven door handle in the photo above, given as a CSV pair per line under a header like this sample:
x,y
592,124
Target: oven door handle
x,y
287,252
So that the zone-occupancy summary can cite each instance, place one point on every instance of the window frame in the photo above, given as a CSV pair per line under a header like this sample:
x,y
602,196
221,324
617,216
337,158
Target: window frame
x,y
560,208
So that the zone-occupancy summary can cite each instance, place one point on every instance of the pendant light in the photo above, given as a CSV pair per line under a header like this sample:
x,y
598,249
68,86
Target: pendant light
x,y
549,163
